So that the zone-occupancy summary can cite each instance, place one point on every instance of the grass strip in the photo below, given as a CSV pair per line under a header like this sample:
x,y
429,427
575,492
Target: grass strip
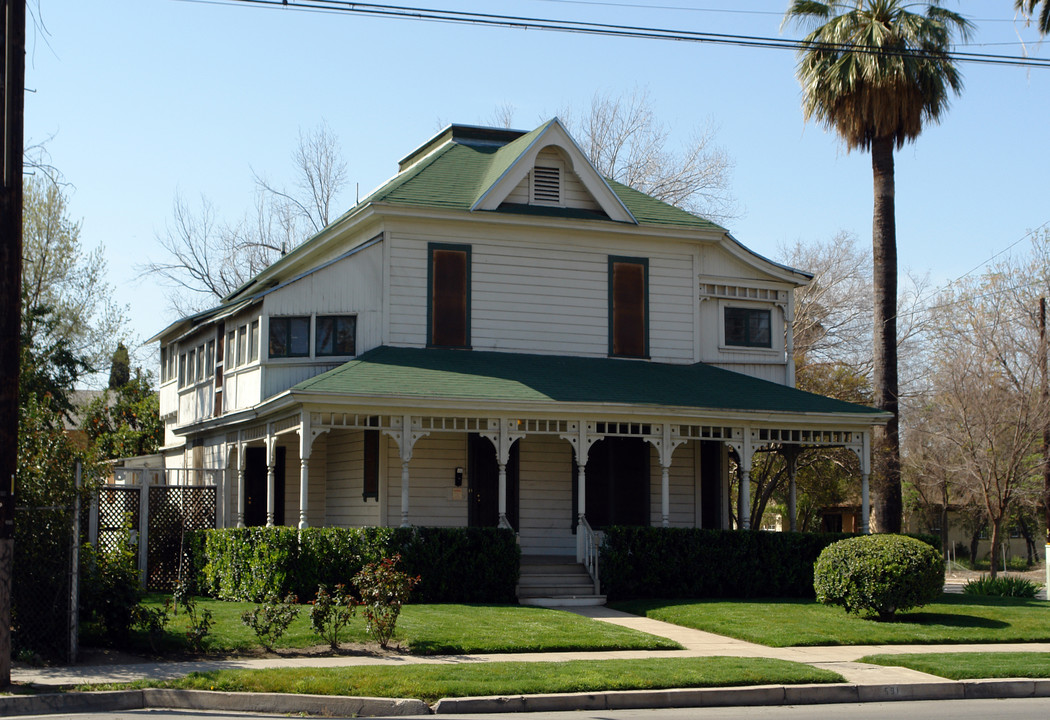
x,y
792,622
422,630
970,665
430,682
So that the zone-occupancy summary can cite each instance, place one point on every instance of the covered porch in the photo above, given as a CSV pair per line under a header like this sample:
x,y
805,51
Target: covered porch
x,y
553,448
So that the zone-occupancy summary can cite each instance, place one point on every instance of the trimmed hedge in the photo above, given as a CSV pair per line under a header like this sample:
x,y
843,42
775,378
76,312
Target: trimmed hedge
x,y
456,564
644,562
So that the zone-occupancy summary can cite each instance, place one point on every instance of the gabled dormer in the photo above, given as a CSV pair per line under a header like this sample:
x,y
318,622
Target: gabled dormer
x,y
546,169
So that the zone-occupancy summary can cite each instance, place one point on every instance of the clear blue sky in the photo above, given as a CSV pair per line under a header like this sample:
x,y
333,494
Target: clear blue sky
x,y
143,98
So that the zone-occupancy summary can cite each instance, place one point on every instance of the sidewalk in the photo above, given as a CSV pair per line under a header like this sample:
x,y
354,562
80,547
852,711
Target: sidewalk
x,y
863,681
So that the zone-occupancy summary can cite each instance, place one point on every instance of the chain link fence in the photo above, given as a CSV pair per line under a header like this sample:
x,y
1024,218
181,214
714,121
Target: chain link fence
x,y
44,584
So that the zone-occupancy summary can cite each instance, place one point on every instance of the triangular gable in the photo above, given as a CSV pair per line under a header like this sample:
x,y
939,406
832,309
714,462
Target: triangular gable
x,y
516,160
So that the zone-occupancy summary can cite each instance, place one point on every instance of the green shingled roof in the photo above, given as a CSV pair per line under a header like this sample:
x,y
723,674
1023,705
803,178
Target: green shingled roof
x,y
512,377
460,172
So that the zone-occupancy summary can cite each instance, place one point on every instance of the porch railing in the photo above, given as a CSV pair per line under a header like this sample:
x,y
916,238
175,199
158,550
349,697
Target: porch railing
x,y
167,476
590,542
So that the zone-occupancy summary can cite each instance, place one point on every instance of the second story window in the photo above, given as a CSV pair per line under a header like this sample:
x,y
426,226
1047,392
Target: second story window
x,y
628,307
289,337
748,327
253,341
336,335
448,296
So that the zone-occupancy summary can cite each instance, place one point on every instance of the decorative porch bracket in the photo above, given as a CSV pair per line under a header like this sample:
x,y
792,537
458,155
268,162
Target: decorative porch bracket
x,y
503,433
581,437
668,439
405,435
741,442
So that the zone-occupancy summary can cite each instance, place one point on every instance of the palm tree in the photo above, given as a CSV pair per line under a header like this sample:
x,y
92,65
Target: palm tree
x,y
876,71
1027,7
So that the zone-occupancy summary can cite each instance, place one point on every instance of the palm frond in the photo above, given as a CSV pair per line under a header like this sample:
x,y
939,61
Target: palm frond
x,y
876,68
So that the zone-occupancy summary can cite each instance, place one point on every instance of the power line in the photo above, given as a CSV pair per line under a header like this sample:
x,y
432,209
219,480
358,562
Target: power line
x,y
460,17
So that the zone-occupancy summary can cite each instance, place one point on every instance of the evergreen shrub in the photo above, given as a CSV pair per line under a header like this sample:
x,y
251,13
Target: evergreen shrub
x,y
879,574
456,564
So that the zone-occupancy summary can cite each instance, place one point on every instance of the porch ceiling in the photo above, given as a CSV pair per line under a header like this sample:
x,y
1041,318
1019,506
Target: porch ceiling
x,y
515,377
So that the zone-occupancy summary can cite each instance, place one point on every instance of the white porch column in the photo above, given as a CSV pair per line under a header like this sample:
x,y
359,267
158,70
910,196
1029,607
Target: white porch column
x,y
503,522
744,452
503,436
665,496
865,474
791,454
271,483
305,445
241,447
581,443
405,438
304,481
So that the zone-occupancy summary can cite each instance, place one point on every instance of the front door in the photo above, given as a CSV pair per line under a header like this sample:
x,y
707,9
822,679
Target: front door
x,y
255,486
483,483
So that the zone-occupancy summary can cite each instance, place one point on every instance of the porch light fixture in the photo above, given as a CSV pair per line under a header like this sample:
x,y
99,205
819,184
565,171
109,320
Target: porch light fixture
x,y
459,477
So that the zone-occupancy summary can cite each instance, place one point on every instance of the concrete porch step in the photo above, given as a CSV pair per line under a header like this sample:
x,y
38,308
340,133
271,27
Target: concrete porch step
x,y
555,581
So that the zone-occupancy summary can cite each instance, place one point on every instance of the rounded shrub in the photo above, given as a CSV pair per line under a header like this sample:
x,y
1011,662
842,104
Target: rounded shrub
x,y
878,574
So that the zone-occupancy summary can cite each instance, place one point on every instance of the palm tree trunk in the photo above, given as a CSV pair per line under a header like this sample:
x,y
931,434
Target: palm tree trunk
x,y
888,500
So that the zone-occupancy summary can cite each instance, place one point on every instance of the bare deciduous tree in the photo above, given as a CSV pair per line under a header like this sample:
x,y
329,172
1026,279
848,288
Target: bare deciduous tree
x,y
986,412
207,258
626,141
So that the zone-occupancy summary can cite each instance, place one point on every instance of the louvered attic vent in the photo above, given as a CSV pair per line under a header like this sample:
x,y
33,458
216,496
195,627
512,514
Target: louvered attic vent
x,y
546,185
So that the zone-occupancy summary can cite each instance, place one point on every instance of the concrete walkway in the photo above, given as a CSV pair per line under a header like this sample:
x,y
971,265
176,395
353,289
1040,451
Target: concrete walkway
x,y
696,643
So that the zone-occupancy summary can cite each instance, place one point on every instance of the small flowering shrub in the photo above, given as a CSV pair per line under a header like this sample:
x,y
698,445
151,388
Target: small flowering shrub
x,y
330,614
383,591
271,619
878,574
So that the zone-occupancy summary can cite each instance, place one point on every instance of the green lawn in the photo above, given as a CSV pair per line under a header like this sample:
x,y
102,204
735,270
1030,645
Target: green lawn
x,y
784,623
424,630
967,666
432,682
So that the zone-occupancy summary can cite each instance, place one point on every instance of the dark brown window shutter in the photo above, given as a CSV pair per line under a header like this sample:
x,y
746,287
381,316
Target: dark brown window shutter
x,y
628,309
371,469
449,298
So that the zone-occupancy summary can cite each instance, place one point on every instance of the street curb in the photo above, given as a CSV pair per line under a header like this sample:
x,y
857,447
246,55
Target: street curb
x,y
156,698
761,695
747,696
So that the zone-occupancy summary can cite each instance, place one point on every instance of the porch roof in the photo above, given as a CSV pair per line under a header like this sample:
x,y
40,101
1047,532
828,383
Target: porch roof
x,y
434,373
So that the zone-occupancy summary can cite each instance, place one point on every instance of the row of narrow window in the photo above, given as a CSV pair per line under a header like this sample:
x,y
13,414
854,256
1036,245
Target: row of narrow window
x,y
448,306
289,337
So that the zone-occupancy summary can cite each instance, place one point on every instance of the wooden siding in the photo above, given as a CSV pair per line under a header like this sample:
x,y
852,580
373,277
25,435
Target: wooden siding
x,y
431,474
278,377
351,286
345,481
543,291
241,388
545,496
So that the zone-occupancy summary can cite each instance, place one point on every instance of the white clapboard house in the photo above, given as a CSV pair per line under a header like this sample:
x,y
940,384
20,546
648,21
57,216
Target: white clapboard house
x,y
497,336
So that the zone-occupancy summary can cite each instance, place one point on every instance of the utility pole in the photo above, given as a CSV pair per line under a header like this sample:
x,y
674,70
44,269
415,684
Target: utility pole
x,y
12,89
1046,432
